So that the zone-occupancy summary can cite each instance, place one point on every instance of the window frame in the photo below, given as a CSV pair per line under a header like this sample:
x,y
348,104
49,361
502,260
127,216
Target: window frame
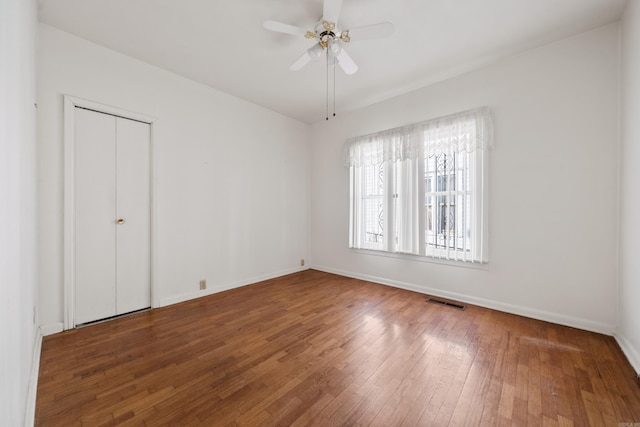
x,y
393,243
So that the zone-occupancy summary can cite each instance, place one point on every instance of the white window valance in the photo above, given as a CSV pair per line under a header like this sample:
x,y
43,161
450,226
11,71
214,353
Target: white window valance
x,y
467,131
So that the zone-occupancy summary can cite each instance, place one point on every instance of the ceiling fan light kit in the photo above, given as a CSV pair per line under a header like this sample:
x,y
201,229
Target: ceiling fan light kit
x,y
329,39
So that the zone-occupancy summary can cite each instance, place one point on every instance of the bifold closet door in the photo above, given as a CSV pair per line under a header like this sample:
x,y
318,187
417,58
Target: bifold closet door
x,y
133,226
95,233
112,215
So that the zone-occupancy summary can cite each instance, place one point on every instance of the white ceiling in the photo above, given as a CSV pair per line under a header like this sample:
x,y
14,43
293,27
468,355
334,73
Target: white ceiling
x,y
223,44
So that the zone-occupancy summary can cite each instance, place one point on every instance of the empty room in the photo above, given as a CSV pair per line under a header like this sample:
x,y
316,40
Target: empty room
x,y
320,213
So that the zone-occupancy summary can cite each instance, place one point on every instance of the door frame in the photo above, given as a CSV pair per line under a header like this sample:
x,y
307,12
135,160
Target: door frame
x,y
70,104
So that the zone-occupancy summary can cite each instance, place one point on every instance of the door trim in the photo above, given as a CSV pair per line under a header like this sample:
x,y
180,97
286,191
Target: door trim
x,y
70,104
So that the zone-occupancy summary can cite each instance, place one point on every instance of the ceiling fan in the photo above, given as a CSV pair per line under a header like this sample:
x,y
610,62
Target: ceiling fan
x,y
330,37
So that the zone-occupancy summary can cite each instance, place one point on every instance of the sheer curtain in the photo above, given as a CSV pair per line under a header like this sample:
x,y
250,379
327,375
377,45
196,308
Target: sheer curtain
x,y
433,187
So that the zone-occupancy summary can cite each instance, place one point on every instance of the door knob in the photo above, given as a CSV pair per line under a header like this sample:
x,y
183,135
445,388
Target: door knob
x,y
120,221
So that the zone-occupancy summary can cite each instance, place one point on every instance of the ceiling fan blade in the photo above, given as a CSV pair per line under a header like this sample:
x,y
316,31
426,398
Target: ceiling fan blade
x,y
284,28
312,54
301,62
331,10
346,63
373,31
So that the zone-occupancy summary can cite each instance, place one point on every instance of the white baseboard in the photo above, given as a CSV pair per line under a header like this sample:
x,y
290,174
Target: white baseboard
x,y
225,287
52,328
546,316
632,353
30,410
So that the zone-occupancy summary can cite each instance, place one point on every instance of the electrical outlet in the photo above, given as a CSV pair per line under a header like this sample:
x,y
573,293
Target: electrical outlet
x,y
203,284
302,262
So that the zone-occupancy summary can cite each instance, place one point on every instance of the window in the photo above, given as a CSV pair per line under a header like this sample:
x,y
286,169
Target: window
x,y
421,189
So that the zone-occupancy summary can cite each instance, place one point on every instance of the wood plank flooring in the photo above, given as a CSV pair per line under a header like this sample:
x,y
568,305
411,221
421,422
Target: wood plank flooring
x,y
318,349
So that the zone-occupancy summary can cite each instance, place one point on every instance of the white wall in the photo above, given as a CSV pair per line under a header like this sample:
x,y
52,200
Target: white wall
x,y
18,308
629,316
553,184
232,177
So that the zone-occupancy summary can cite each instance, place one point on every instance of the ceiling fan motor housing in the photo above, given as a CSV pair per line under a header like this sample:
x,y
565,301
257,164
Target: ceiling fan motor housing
x,y
329,37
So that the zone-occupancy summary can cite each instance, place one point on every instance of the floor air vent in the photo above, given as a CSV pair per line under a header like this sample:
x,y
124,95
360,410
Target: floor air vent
x,y
446,303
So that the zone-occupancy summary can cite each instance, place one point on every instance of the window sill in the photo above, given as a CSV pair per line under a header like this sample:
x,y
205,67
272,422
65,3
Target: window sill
x,y
420,258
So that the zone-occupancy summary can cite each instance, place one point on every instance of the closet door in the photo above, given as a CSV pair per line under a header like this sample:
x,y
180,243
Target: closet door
x,y
112,211
133,205
95,215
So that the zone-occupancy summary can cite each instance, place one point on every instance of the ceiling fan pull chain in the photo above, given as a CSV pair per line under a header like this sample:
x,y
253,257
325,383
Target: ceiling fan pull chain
x,y
335,60
327,50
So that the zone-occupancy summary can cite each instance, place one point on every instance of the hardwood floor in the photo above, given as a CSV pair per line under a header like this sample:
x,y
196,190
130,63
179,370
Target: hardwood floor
x,y
318,349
